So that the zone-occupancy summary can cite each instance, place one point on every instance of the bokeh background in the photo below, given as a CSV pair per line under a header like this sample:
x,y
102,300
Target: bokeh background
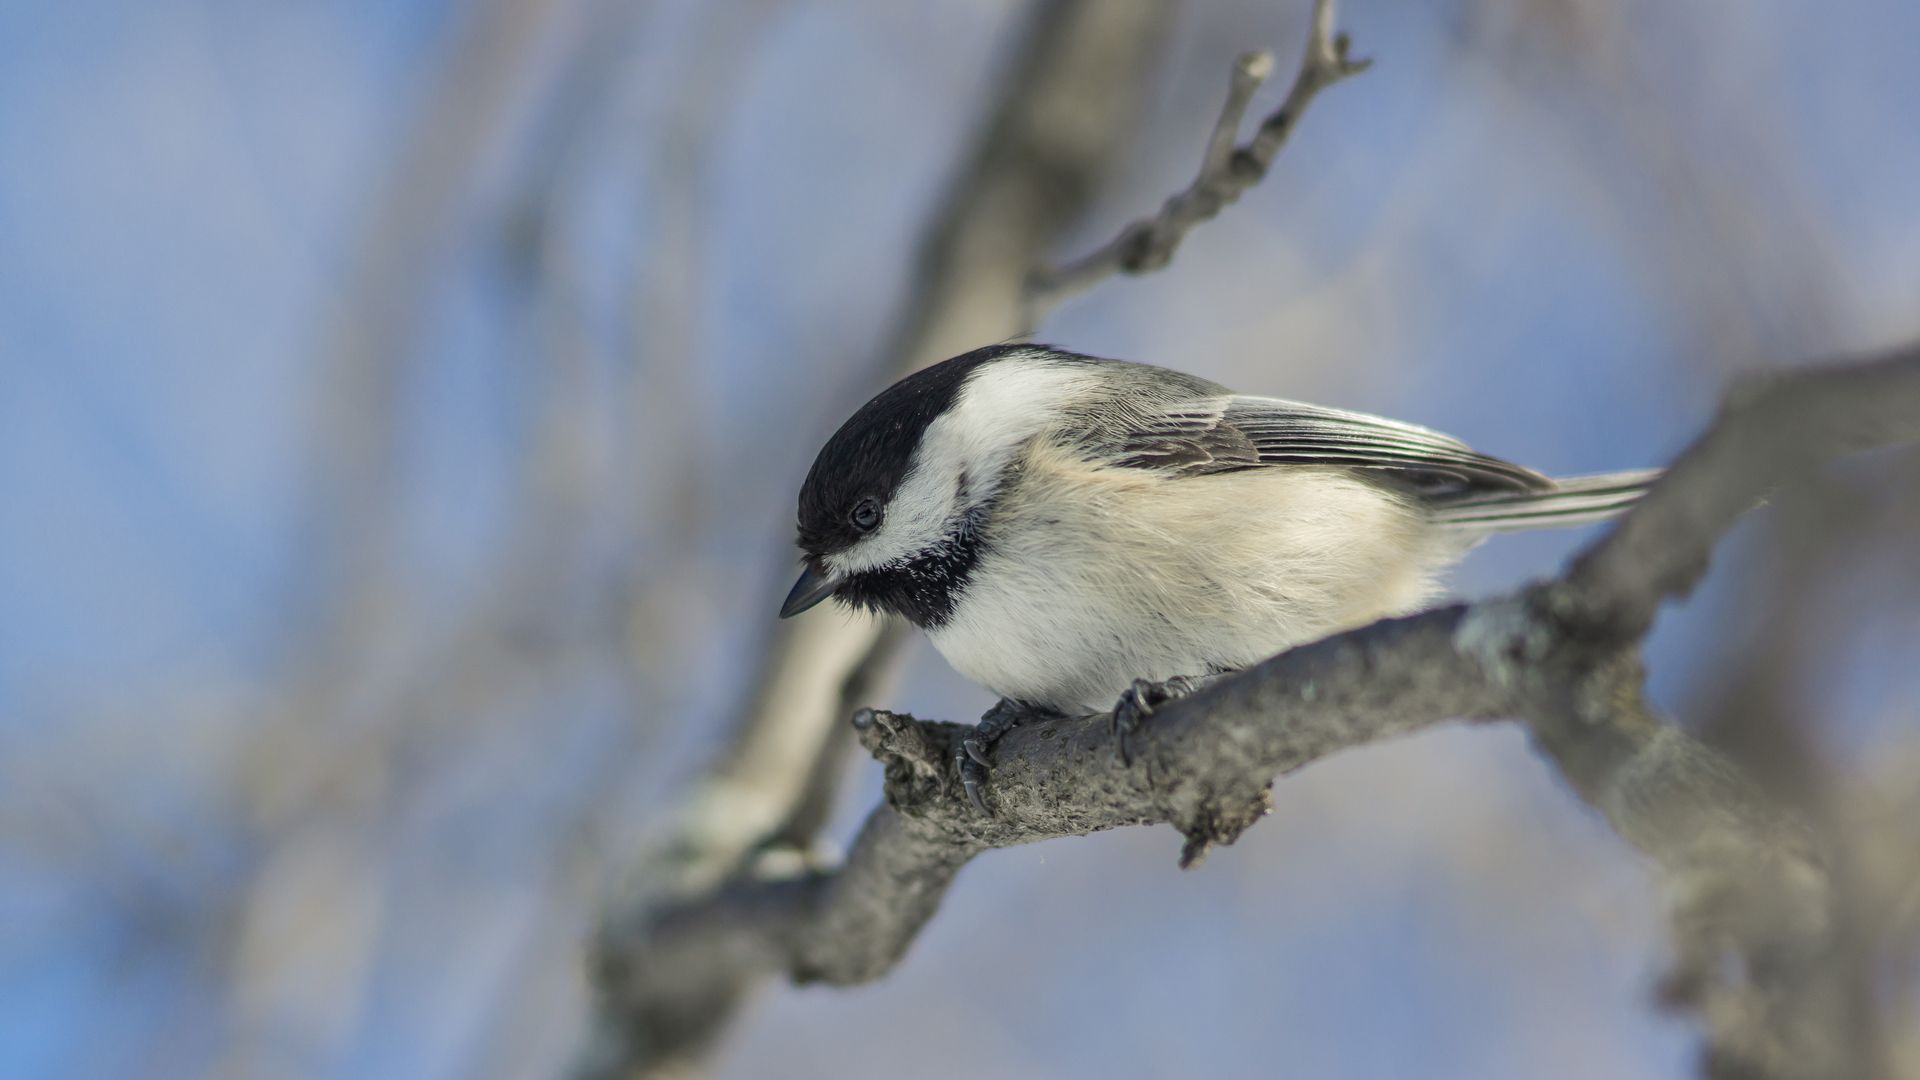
x,y
401,404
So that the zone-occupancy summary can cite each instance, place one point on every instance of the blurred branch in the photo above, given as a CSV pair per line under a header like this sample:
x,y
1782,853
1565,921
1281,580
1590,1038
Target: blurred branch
x,y
368,353
1766,704
1052,133
1753,911
1227,170
314,776
1772,428
1057,123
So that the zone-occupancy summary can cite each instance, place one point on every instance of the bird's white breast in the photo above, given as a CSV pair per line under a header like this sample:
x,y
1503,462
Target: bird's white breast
x,y
1095,575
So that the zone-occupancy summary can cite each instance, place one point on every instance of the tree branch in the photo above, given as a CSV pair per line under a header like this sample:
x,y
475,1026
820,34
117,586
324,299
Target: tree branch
x,y
1769,429
1753,914
1226,171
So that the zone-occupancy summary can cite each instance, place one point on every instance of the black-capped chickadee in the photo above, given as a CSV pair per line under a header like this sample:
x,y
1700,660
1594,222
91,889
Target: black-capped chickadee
x,y
1071,531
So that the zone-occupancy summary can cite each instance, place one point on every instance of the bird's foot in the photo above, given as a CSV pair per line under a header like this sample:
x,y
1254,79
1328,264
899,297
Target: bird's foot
x,y
1140,700
971,756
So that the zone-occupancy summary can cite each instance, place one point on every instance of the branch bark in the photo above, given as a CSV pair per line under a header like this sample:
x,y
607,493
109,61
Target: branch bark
x,y
1753,914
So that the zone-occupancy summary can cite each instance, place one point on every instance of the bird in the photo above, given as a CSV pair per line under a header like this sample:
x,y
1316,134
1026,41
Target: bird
x,y
1078,534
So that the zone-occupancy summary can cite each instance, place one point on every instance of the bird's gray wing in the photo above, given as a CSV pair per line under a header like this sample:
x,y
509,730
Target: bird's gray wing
x,y
1229,432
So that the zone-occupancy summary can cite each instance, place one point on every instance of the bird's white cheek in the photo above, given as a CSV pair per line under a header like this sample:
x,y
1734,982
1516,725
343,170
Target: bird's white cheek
x,y
961,458
915,521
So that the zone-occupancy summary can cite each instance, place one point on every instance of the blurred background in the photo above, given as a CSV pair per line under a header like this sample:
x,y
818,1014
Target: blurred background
x,y
401,407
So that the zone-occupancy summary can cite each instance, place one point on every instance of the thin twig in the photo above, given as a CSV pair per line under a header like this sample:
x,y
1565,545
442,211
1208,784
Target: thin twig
x,y
1227,170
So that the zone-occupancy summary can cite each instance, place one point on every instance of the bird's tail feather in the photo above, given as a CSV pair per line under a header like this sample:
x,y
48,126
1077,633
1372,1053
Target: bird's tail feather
x,y
1575,500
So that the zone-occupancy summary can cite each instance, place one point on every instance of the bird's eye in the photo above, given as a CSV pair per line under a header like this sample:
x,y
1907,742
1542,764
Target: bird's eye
x,y
865,515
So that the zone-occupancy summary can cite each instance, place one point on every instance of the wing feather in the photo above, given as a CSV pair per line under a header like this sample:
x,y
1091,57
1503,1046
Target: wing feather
x,y
1229,432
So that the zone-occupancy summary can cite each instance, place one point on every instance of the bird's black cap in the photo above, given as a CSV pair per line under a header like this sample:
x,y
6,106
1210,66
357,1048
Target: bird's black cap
x,y
869,456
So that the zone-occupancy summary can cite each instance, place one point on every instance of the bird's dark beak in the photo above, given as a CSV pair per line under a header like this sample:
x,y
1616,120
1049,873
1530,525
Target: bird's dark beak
x,y
813,587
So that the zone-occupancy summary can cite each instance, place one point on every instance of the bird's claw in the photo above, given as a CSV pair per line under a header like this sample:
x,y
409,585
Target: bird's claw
x,y
976,750
974,786
972,761
1138,702
972,757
